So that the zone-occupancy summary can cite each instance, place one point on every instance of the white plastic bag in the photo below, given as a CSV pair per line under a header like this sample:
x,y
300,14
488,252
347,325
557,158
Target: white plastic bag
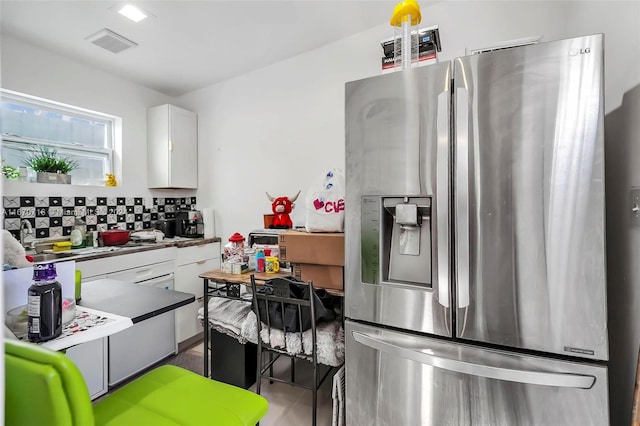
x,y
325,203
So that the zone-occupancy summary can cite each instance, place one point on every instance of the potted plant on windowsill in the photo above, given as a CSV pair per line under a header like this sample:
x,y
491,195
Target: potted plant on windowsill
x,y
50,166
10,172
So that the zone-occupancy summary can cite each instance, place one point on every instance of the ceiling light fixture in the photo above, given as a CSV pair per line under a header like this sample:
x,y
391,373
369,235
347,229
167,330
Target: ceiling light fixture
x,y
133,13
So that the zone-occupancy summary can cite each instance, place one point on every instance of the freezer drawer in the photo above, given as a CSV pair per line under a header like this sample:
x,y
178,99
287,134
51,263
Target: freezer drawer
x,y
395,378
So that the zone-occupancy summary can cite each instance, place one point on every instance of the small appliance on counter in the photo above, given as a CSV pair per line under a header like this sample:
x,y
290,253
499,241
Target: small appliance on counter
x,y
152,236
189,224
167,226
265,236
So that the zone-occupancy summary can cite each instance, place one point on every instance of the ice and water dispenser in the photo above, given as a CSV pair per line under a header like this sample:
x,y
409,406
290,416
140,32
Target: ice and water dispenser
x,y
397,240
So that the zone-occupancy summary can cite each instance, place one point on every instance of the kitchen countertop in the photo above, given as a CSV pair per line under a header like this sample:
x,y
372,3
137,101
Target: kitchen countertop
x,y
134,247
134,301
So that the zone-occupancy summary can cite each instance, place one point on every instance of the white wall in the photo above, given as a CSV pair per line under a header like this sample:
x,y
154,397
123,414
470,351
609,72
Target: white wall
x,y
276,129
36,71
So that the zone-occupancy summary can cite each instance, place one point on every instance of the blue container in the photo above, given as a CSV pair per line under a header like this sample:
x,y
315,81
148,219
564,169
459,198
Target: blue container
x,y
260,261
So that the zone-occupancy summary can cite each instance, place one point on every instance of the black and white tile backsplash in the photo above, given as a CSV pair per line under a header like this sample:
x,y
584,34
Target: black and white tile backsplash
x,y
56,216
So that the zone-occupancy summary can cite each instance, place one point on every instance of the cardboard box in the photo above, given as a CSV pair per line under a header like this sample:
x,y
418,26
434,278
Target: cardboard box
x,y
428,48
268,220
315,248
425,58
323,276
234,268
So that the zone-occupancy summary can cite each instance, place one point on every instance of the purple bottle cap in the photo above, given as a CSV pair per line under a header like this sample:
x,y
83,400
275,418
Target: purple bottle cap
x,y
44,271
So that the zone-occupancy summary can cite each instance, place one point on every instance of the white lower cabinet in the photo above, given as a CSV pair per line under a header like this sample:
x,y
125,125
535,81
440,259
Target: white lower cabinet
x,y
91,360
191,262
140,346
148,341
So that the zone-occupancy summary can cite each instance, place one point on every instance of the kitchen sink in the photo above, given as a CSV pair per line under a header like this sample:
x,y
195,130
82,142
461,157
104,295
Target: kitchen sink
x,y
49,257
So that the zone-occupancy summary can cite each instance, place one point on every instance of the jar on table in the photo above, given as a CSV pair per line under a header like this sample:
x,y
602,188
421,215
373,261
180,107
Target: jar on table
x,y
237,244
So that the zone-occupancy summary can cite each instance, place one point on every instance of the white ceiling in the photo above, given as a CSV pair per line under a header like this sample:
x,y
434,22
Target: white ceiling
x,y
187,45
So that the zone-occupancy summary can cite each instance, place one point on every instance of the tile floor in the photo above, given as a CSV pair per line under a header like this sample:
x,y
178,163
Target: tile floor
x,y
290,405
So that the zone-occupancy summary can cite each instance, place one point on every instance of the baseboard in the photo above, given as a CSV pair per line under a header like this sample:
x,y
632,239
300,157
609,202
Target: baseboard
x,y
190,342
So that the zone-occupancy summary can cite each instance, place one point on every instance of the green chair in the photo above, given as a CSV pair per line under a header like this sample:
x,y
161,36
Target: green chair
x,y
44,387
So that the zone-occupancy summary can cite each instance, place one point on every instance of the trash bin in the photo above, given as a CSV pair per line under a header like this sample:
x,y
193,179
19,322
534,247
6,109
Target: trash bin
x,y
231,361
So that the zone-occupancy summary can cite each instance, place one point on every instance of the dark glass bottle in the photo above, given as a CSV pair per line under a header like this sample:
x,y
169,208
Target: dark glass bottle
x,y
44,304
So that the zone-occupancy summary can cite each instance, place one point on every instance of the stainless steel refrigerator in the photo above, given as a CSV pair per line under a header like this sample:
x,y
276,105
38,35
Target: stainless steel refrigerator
x,y
475,286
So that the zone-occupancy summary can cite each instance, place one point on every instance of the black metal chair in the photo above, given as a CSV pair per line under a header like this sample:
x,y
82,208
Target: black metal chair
x,y
275,308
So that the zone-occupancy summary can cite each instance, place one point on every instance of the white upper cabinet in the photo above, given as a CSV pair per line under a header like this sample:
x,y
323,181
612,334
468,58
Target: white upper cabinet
x,y
172,147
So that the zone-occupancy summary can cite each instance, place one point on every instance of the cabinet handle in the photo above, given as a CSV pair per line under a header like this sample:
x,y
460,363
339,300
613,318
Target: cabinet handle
x,y
200,262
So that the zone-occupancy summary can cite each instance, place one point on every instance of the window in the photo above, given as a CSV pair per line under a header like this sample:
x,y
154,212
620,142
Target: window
x,y
79,134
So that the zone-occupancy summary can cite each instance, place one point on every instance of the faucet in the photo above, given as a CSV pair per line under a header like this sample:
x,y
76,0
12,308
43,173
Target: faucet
x,y
24,223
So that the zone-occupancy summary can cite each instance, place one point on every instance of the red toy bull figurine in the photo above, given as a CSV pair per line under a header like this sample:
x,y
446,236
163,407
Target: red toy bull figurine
x,y
281,207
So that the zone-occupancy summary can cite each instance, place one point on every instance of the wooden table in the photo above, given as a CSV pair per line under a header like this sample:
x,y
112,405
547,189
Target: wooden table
x,y
222,277
261,277
218,276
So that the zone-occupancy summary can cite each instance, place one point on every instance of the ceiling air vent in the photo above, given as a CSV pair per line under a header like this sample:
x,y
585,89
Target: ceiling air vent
x,y
505,45
111,41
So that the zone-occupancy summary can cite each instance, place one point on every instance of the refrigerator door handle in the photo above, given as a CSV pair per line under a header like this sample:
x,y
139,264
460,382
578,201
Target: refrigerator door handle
x,y
462,195
442,214
563,380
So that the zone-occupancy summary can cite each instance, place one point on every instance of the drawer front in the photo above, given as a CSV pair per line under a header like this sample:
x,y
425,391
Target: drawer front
x,y
143,273
194,254
187,276
124,261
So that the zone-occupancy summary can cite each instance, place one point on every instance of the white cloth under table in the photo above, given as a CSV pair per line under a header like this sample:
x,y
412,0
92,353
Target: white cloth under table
x,y
237,319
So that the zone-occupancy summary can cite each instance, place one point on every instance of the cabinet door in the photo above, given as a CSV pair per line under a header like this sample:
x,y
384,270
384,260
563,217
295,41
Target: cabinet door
x,y
172,148
183,147
139,347
188,281
91,360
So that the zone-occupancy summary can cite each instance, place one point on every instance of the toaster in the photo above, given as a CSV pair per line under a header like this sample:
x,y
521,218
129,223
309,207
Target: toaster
x,y
167,227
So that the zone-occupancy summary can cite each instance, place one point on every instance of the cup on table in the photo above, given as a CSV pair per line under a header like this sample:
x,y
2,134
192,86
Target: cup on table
x,y
271,265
